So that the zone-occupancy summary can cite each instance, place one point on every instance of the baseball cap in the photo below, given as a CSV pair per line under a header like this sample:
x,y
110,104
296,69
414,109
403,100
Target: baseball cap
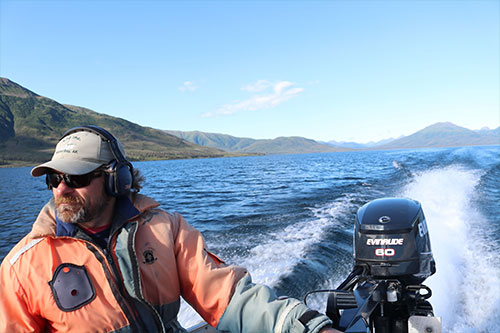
x,y
77,154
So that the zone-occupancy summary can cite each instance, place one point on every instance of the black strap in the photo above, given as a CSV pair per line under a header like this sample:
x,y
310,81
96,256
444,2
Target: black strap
x,y
307,316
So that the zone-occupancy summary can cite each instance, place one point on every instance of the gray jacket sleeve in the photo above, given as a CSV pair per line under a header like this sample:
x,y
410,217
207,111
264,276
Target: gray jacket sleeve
x,y
255,308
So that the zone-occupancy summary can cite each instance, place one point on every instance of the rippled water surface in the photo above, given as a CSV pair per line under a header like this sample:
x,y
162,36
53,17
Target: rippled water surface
x,y
289,218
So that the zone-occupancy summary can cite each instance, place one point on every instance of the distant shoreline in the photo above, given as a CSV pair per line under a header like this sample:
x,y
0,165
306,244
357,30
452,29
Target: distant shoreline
x,y
20,164
16,164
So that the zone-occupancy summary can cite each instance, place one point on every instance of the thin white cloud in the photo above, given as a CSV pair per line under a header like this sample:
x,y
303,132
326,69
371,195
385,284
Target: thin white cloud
x,y
258,86
273,95
188,86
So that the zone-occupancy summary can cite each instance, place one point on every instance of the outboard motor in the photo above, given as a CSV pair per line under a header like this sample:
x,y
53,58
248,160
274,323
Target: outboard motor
x,y
392,257
391,239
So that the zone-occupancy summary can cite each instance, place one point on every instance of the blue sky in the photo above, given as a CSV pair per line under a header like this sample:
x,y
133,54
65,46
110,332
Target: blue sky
x,y
325,70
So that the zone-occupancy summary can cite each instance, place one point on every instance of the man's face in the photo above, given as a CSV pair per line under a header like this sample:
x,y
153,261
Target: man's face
x,y
81,205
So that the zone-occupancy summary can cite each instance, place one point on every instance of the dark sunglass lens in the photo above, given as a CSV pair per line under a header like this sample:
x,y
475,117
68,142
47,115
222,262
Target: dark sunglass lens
x,y
53,179
74,181
77,181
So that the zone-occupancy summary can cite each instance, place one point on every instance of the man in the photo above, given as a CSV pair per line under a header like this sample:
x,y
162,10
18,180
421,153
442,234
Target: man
x,y
101,257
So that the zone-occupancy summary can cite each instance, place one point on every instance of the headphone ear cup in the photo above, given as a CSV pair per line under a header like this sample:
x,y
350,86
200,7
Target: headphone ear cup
x,y
123,179
119,179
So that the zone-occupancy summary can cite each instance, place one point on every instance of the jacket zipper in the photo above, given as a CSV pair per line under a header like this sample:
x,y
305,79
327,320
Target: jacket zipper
x,y
136,277
110,272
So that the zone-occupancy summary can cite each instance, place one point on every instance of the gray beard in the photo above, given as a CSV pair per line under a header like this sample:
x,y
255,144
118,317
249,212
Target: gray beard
x,y
84,214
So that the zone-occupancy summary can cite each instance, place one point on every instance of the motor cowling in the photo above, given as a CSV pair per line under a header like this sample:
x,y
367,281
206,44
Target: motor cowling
x,y
391,239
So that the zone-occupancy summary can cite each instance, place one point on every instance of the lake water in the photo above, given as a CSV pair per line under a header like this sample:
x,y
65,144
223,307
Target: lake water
x,y
289,218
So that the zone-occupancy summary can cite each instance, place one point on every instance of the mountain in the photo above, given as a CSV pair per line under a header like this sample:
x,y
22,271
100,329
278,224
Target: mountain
x,y
491,134
281,145
436,135
31,125
289,145
214,140
445,135
355,145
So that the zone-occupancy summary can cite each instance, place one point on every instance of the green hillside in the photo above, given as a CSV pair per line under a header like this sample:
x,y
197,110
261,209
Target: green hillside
x,y
290,145
214,140
281,145
30,126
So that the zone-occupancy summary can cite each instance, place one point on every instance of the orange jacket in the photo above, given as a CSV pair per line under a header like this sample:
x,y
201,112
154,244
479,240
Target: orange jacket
x,y
171,258
56,283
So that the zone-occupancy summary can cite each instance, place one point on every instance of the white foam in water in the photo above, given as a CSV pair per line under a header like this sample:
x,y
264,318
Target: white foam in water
x,y
286,248
397,165
466,286
283,249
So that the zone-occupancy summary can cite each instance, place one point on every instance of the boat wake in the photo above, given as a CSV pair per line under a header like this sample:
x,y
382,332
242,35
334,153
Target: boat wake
x,y
466,286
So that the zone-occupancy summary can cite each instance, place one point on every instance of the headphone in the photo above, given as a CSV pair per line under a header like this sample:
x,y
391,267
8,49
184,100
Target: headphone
x,y
119,174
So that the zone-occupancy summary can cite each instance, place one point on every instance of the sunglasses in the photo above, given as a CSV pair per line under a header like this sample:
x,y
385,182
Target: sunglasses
x,y
74,181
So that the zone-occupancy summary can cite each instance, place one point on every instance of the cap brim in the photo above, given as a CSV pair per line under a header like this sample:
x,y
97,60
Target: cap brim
x,y
67,166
